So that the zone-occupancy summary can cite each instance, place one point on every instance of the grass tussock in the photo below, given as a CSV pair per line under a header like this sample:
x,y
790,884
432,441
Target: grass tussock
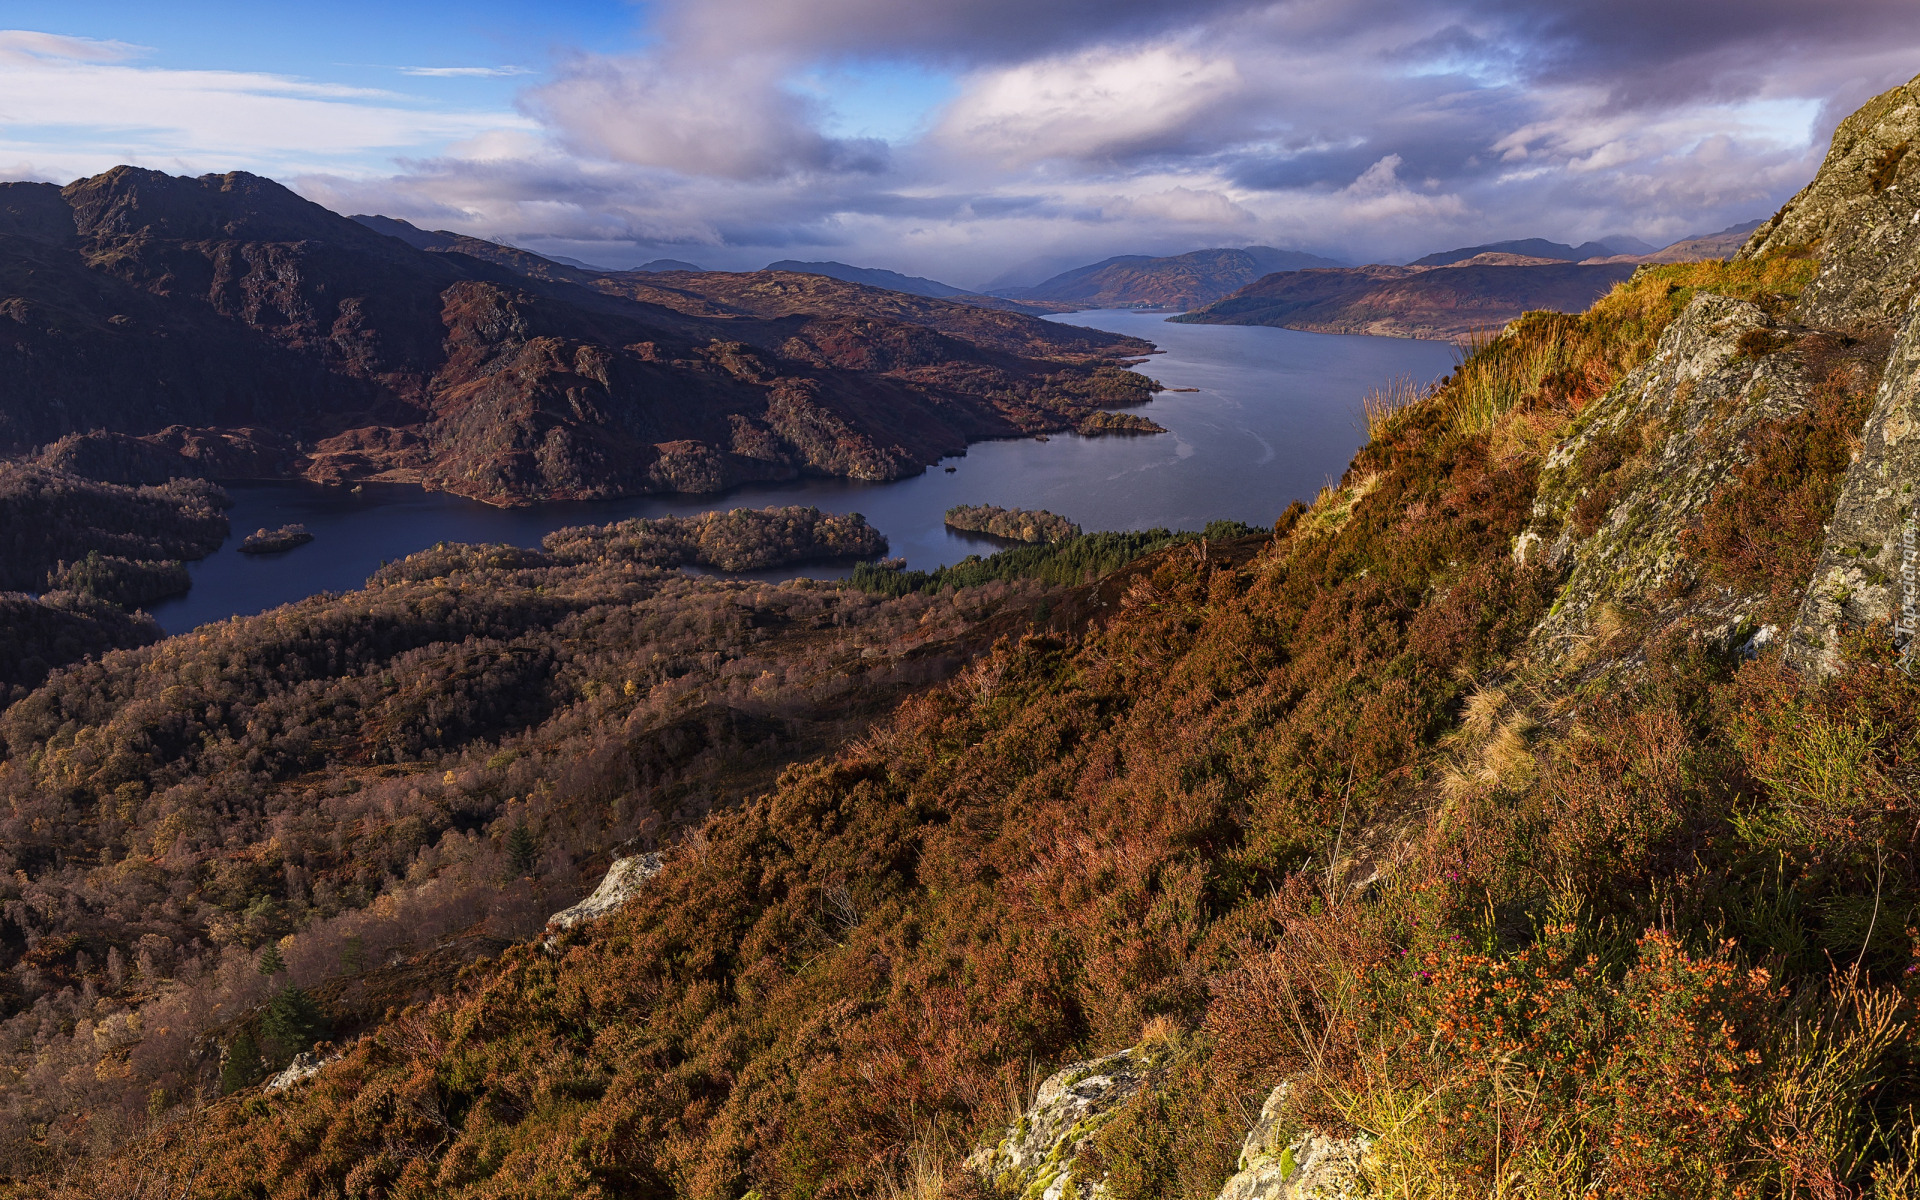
x,y
1521,386
1380,406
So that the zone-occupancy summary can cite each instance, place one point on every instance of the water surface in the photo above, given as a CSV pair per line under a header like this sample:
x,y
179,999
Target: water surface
x,y
1276,416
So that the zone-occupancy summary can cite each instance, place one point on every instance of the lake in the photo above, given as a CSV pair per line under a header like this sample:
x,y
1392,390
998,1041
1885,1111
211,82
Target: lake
x,y
1276,417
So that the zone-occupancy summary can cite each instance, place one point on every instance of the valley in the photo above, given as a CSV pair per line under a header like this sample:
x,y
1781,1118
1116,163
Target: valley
x,y
1474,761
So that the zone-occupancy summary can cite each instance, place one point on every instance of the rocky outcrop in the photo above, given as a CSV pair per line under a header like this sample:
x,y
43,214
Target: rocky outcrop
x,y
1616,495
305,1066
1867,572
1861,214
1280,1163
1039,1157
621,883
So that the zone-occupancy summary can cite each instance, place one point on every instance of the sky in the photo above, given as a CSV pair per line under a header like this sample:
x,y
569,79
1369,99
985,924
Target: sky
x,y
981,142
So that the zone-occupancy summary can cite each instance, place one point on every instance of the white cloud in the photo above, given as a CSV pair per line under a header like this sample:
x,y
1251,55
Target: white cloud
x,y
1093,105
731,120
1378,129
28,46
1209,208
464,72
73,106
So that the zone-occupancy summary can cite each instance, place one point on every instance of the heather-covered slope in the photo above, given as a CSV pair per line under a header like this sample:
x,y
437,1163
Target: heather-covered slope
x,y
1625,900
182,310
1398,850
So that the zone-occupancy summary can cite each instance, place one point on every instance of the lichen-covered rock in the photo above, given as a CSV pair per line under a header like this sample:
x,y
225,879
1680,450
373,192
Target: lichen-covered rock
x,y
304,1066
622,882
1859,213
1869,567
1617,494
1038,1159
1279,1163
1862,215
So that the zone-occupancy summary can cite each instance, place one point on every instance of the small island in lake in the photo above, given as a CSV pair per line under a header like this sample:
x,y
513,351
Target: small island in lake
x,y
1124,423
1014,524
267,541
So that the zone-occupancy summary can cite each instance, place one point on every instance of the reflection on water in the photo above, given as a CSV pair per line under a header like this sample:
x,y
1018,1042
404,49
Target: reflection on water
x,y
1276,417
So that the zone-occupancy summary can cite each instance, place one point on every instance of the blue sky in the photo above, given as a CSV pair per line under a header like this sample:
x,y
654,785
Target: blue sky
x,y
962,138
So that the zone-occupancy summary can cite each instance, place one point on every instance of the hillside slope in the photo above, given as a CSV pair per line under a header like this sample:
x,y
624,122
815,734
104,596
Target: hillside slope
x,y
1180,281
1435,302
1470,834
185,309
872,277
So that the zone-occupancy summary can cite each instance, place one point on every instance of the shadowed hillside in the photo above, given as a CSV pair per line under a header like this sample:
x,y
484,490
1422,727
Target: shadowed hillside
x,y
1434,302
183,310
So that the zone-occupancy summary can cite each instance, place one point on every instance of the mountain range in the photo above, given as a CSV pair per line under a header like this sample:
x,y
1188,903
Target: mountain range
x,y
1176,281
226,309
1459,300
1538,248
913,285
1453,293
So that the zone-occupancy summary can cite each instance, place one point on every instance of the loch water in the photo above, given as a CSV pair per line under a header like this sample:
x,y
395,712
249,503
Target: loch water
x,y
1276,417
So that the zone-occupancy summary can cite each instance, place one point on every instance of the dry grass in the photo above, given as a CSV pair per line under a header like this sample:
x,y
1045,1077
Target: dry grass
x,y
1384,404
1496,745
922,1177
1334,505
1483,709
1499,372
1161,1030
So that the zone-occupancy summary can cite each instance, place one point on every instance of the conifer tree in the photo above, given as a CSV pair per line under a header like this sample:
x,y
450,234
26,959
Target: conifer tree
x,y
242,1068
291,1024
523,851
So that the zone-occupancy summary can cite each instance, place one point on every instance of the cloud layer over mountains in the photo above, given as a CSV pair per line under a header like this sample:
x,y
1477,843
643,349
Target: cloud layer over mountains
x,y
954,137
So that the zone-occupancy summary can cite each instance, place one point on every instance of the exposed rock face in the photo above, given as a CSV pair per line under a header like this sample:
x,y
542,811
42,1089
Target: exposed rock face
x,y
1863,212
304,1066
1306,1166
1859,212
1867,567
1616,495
622,882
1038,1159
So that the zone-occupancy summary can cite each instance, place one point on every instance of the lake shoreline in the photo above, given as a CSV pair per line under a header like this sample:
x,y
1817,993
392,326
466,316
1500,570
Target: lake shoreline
x,y
1275,415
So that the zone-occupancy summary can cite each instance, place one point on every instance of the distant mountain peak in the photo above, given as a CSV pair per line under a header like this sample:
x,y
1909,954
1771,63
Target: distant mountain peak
x,y
893,281
1174,281
1530,247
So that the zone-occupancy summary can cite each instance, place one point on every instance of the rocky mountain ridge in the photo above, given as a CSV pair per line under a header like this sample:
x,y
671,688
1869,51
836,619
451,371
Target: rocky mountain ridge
x,y
181,311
